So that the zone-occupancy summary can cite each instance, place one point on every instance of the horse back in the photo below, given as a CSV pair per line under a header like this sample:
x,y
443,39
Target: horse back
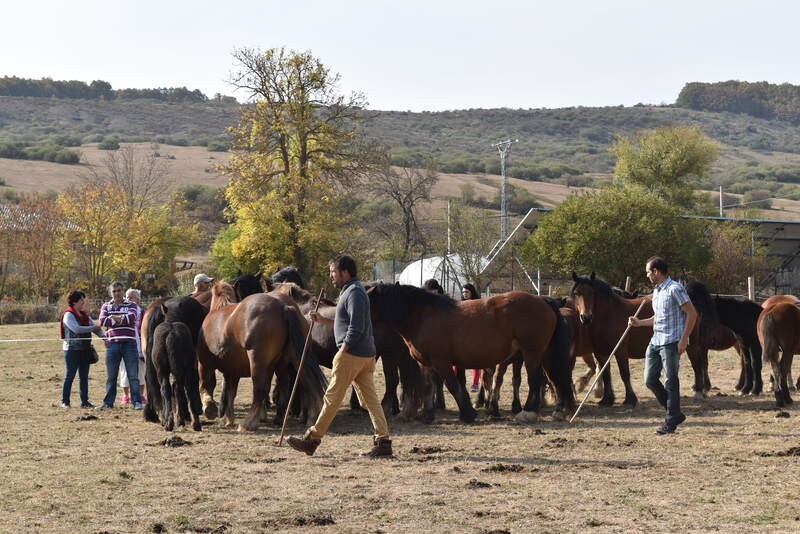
x,y
780,324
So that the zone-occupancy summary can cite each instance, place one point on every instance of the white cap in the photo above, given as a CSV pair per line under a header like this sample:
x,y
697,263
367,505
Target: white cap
x,y
202,277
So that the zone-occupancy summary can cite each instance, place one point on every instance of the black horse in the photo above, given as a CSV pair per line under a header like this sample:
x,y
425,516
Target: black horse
x,y
174,357
740,316
185,310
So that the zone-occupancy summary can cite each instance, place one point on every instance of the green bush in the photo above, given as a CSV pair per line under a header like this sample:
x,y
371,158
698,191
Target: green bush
x,y
217,146
109,144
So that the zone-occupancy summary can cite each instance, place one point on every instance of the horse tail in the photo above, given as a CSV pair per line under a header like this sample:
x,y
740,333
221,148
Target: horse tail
x,y
560,369
768,336
311,377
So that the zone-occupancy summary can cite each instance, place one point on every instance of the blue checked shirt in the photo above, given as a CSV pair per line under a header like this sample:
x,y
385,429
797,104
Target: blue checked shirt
x,y
668,317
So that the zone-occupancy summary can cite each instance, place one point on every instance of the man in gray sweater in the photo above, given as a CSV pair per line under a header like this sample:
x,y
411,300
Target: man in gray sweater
x,y
354,363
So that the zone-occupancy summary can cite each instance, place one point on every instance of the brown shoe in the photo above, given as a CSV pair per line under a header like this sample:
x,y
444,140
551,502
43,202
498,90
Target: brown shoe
x,y
382,448
306,444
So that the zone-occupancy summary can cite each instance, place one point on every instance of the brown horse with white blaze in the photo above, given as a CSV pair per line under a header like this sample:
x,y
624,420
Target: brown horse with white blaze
x,y
479,334
255,337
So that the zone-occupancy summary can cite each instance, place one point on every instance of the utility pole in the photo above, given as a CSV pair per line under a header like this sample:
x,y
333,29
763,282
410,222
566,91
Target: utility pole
x,y
502,147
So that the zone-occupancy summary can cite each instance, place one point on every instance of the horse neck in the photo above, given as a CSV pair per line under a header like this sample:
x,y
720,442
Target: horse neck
x,y
219,301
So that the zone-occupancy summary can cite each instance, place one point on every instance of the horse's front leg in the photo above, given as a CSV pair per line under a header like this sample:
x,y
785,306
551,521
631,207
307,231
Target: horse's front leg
x,y
608,391
756,364
390,402
167,416
260,374
493,406
530,413
428,387
230,385
457,389
747,369
694,352
625,374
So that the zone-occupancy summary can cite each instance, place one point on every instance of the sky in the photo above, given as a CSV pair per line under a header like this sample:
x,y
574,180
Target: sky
x,y
416,55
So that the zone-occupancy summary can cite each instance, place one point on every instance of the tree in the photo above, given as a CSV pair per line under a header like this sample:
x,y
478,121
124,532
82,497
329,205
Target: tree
x,y
140,178
42,249
294,153
613,232
668,161
735,255
473,232
406,188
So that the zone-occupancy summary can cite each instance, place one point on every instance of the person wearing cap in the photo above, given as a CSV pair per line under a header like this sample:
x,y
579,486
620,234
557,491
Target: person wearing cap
x,y
202,282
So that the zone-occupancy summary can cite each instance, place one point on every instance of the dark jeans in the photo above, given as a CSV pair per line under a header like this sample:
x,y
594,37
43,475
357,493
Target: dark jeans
x,y
76,361
127,353
664,357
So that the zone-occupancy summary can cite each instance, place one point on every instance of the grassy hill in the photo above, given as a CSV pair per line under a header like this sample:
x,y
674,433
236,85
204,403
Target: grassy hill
x,y
560,146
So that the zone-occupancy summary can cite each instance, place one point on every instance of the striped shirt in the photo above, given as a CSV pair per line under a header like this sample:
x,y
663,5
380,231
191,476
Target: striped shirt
x,y
669,319
125,331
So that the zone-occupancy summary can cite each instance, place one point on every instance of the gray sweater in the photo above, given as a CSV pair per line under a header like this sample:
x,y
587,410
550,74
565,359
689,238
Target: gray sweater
x,y
352,323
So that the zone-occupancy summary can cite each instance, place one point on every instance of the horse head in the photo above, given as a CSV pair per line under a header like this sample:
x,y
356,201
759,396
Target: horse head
x,y
288,274
583,296
247,284
222,294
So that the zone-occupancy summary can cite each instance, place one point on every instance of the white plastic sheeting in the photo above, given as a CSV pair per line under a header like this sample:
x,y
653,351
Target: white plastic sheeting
x,y
448,273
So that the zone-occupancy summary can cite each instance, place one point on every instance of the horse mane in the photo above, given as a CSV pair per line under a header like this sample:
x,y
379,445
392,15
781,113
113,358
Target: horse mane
x,y
703,302
222,294
397,301
598,284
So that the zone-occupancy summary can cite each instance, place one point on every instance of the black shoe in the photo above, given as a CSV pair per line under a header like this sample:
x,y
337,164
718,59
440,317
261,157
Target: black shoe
x,y
681,419
306,444
382,448
666,429
87,404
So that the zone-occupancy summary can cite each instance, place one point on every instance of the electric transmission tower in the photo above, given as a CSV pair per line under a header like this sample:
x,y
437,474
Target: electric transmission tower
x,y
502,147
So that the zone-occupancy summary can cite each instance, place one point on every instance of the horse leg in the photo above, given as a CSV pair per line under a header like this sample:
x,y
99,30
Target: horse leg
x,y
230,384
608,391
167,417
259,373
747,367
493,406
516,381
694,352
411,380
625,374
786,368
438,391
428,395
756,364
391,374
208,381
458,390
485,393
530,413
182,403
192,388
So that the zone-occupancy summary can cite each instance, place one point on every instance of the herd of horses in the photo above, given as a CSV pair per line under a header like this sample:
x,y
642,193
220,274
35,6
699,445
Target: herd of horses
x,y
255,327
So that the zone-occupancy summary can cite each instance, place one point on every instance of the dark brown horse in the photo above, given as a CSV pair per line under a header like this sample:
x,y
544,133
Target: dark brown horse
x,y
256,337
779,330
479,334
398,367
606,315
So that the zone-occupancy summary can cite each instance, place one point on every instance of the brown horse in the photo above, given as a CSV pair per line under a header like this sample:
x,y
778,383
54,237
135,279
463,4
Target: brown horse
x,y
398,367
779,330
580,346
606,315
254,338
479,334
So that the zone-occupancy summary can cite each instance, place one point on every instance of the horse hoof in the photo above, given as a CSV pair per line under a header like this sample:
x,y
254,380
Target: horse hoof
x,y
516,407
211,411
525,418
698,395
560,415
197,427
606,403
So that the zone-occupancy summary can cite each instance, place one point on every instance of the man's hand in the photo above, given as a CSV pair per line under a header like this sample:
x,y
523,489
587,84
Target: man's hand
x,y
682,344
316,317
634,321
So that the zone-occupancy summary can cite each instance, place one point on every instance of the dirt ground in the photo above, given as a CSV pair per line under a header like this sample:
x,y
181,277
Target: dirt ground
x,y
733,466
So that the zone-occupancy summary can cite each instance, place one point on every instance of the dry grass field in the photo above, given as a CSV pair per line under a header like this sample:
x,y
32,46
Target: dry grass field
x,y
732,467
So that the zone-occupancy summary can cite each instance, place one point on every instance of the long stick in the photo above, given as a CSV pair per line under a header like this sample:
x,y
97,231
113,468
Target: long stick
x,y
612,355
300,369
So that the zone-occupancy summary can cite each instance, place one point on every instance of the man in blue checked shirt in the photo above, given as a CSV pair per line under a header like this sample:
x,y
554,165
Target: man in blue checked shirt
x,y
673,319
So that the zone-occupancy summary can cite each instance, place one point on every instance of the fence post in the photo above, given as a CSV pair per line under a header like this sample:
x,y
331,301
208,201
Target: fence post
x,y
627,284
751,289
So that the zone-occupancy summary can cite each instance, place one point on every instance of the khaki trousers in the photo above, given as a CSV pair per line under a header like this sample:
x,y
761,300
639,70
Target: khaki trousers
x,y
347,370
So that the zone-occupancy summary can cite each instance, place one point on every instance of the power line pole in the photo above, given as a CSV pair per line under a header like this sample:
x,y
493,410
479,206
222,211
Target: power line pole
x,y
502,147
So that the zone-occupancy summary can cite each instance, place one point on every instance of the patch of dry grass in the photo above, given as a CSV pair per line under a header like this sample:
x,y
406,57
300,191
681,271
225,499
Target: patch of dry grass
x,y
607,472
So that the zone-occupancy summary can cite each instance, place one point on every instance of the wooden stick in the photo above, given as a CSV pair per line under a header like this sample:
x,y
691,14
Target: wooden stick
x,y
300,369
612,355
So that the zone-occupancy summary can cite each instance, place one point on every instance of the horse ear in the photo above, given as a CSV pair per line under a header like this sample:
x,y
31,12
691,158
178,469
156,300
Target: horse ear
x,y
258,274
592,276
235,285
574,276
397,283
239,272
163,308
